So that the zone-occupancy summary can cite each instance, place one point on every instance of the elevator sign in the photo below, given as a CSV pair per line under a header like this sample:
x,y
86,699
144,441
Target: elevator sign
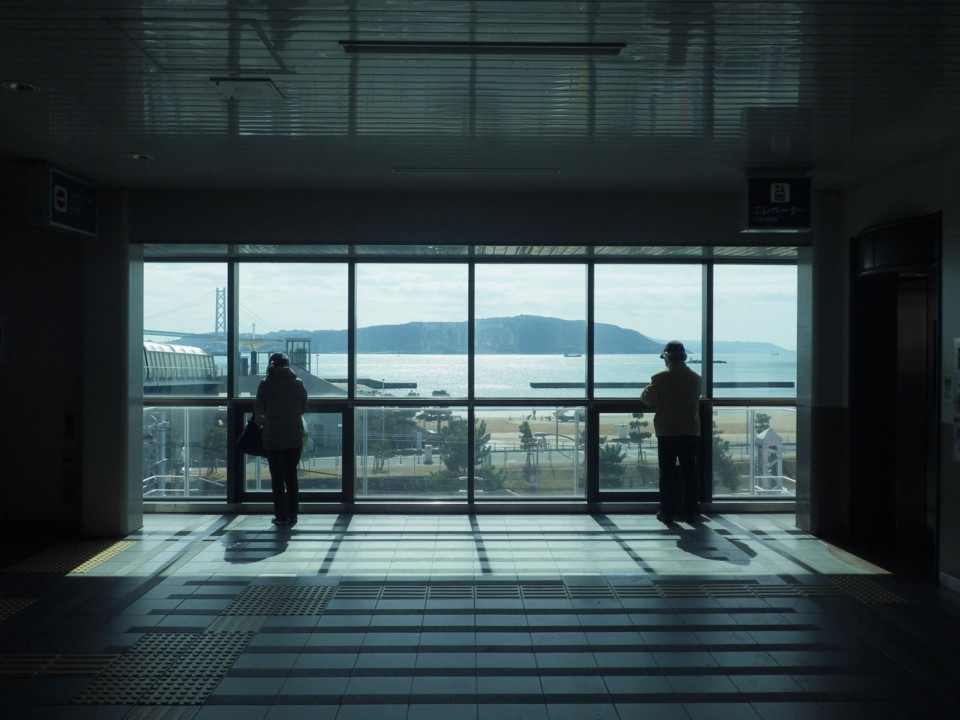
x,y
778,204
72,203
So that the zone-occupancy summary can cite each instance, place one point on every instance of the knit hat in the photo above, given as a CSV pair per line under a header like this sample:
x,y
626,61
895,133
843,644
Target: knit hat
x,y
674,351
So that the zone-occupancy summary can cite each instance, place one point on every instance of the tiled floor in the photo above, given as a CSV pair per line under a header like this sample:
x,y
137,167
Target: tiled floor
x,y
488,617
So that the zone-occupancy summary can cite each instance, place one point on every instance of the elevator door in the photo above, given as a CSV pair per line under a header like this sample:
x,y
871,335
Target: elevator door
x,y
915,437
894,416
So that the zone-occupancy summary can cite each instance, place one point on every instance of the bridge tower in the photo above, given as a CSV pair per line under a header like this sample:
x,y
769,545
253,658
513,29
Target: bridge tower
x,y
220,326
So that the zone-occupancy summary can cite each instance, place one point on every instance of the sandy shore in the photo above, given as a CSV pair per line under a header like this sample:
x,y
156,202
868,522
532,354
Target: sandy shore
x,y
732,423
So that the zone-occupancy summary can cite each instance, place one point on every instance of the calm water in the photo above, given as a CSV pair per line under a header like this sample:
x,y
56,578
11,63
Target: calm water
x,y
511,375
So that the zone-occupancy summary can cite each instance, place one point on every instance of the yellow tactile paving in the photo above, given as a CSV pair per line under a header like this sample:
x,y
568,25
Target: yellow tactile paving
x,y
11,606
71,557
866,590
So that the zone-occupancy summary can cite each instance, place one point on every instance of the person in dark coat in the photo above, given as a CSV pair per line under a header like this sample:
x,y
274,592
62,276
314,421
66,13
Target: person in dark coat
x,y
279,407
675,393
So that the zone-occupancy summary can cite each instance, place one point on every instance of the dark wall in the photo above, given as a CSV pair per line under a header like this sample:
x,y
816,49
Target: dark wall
x,y
40,380
437,218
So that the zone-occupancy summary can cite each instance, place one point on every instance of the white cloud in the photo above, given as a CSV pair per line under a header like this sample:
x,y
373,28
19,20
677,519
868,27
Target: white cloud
x,y
397,294
505,290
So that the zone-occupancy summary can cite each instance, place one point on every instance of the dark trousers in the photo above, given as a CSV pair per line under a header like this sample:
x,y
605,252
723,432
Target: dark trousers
x,y
679,482
284,482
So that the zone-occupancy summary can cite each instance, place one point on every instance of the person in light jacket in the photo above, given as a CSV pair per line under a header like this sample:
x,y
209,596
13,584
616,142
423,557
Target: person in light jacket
x,y
279,407
675,393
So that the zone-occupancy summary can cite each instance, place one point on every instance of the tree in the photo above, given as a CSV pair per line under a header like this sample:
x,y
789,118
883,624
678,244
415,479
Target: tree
x,y
388,431
382,449
481,442
214,444
437,415
638,433
761,421
611,465
723,465
391,430
399,423
453,444
530,444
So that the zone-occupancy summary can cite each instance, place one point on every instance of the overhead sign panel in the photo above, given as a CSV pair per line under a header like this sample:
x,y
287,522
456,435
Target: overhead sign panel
x,y
72,203
778,204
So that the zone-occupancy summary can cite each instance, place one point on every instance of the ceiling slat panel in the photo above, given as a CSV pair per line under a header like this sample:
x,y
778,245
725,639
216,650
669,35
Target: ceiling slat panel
x,y
700,91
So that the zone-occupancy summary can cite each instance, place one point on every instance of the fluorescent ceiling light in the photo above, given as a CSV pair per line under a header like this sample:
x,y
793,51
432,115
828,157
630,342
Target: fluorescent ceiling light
x,y
480,170
416,47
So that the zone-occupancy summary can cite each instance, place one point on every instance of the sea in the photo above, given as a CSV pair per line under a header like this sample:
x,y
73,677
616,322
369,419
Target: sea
x,y
766,375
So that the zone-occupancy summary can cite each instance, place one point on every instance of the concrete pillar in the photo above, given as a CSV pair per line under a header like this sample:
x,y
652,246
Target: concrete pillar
x,y
823,488
111,457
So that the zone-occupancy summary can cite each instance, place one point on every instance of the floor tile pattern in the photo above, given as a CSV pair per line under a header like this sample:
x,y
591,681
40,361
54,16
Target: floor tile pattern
x,y
489,617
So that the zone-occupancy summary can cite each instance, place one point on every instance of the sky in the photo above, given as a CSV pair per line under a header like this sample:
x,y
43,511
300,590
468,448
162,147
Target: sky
x,y
751,302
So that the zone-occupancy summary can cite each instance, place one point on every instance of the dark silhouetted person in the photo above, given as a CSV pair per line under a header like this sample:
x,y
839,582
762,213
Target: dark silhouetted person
x,y
280,404
675,393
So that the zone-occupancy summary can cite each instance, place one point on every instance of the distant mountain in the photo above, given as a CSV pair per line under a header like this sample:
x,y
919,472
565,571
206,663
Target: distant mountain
x,y
532,334
733,347
522,334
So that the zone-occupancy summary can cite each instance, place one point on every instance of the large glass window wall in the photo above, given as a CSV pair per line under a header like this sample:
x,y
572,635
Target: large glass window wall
x,y
476,375
321,459
530,330
185,452
412,330
753,452
296,308
533,453
627,452
185,329
636,309
754,331
412,452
